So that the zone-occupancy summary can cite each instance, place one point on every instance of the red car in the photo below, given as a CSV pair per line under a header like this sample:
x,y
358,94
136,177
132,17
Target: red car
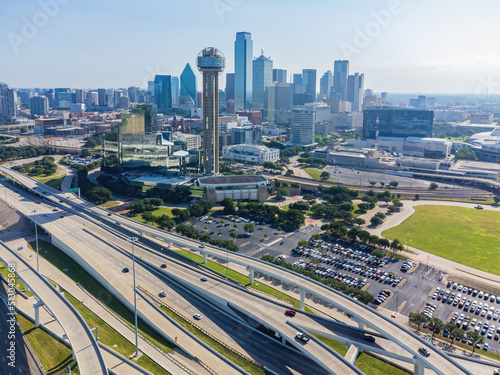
x,y
290,312
163,265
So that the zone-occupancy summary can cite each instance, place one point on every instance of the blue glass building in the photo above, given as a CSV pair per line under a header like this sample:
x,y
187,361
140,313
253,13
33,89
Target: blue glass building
x,y
340,74
188,88
163,92
243,56
262,78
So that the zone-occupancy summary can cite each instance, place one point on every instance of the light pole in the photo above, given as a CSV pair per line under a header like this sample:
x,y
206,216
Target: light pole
x,y
36,239
408,242
133,240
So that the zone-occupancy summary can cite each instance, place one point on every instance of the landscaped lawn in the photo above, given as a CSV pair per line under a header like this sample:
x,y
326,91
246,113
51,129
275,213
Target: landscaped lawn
x,y
315,173
53,182
464,235
158,212
109,204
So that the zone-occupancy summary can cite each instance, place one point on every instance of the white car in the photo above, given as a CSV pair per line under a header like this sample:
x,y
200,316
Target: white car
x,y
197,316
162,293
204,278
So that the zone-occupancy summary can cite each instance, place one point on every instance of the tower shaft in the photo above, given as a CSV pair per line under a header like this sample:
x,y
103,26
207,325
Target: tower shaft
x,y
211,122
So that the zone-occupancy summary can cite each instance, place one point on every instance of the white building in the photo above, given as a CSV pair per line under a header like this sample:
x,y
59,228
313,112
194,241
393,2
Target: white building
x,y
192,141
250,154
302,125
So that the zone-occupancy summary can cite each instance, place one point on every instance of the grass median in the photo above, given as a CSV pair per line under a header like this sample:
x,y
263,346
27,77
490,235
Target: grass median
x,y
4,271
464,235
53,354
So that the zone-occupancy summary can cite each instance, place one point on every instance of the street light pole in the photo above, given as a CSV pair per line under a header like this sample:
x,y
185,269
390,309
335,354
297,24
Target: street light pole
x,y
36,240
132,240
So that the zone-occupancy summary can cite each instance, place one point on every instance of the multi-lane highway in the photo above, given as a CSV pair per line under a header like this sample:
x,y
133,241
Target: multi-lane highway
x,y
438,361
87,352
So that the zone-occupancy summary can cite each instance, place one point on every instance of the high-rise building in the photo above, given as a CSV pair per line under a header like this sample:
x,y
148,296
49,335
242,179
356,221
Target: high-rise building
x,y
279,103
150,116
262,78
163,92
39,106
188,88
279,75
298,88
302,126
340,74
229,86
309,82
355,89
325,84
102,98
243,55
397,122
8,104
211,63
175,92
133,94
151,87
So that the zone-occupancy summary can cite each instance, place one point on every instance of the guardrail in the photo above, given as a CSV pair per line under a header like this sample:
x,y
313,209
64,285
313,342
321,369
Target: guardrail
x,y
150,343
160,302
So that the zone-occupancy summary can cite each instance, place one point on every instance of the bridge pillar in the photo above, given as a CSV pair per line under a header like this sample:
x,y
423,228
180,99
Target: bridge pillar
x,y
37,306
252,273
94,330
361,324
169,244
302,298
419,367
205,258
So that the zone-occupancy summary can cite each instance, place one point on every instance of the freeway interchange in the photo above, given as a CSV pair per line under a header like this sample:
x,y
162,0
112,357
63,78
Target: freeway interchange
x,y
98,242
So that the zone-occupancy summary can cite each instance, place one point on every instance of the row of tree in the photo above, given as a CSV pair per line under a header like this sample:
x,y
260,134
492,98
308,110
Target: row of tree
x,y
45,166
291,217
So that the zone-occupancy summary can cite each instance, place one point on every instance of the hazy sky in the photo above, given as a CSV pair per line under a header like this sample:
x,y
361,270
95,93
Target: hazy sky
x,y
424,46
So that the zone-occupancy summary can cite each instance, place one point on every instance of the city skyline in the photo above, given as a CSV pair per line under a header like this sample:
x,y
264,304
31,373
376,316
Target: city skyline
x,y
386,40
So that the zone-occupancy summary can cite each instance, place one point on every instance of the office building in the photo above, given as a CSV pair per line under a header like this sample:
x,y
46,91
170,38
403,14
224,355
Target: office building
x,y
302,126
229,86
279,103
249,134
355,89
262,78
250,154
150,116
279,75
340,74
309,83
8,104
211,63
397,122
39,106
298,88
188,89
255,117
175,92
325,84
163,92
243,55
102,98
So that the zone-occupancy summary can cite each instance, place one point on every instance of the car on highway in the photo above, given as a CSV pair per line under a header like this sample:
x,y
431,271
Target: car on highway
x,y
204,278
162,293
290,312
125,270
302,337
109,214
424,351
55,209
197,316
163,265
369,338
201,246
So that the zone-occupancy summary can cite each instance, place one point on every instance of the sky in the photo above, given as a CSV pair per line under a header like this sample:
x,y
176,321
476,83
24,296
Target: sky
x,y
402,46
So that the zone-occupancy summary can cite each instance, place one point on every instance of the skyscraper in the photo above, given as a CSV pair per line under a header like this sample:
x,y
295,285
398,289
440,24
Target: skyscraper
x,y
309,82
243,55
8,104
302,125
102,98
262,78
163,92
355,88
211,63
188,88
175,92
229,86
279,103
279,75
39,106
325,84
340,73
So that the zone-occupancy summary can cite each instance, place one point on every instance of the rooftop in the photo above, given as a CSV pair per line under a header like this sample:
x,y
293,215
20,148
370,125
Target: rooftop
x,y
232,180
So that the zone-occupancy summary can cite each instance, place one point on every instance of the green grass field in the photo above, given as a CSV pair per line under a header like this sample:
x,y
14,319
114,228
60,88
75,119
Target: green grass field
x,y
464,235
54,355
315,173
19,284
53,182
158,212
109,204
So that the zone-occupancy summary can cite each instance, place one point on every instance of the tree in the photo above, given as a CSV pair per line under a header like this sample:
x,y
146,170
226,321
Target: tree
x,y
384,242
360,221
377,253
295,185
465,154
205,228
395,246
302,243
235,226
265,236
279,229
281,193
456,333
372,183
496,198
417,319
376,221
393,184
308,197
438,325
229,205
324,175
475,337
382,183
249,228
433,186
233,235
99,194
417,197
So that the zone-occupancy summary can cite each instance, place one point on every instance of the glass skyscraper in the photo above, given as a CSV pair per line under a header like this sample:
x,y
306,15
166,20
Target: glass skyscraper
x,y
340,73
175,91
243,56
188,88
309,82
262,78
163,92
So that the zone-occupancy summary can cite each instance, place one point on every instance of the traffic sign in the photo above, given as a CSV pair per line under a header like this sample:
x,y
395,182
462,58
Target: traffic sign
x,y
5,179
74,190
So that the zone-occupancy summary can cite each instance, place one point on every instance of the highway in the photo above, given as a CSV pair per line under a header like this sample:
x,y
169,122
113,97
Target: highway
x,y
87,352
438,361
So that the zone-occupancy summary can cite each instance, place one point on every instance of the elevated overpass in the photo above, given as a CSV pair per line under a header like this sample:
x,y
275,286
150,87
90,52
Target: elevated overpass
x,y
86,350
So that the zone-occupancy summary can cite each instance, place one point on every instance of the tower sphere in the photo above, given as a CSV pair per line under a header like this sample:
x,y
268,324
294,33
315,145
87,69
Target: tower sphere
x,y
211,59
